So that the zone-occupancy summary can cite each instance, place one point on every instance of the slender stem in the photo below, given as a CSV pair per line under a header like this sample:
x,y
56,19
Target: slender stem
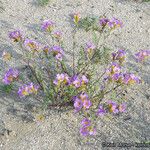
x,y
99,47
99,78
33,72
74,45
113,89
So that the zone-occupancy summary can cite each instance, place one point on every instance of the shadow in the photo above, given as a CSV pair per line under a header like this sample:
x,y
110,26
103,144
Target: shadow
x,y
5,24
20,108
10,49
142,69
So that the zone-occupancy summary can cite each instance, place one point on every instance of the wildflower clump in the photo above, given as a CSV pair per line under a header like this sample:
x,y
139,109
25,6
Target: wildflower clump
x,y
31,45
75,83
26,90
142,55
10,76
48,25
16,36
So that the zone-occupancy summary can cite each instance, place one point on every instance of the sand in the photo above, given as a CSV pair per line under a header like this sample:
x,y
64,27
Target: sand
x,y
60,130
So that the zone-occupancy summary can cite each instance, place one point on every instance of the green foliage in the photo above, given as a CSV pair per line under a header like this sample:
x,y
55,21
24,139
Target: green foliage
x,y
43,2
102,56
89,23
146,0
6,88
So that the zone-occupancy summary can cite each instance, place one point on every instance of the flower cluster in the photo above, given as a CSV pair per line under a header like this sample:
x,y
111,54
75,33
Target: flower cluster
x,y
61,79
114,74
111,107
32,45
16,36
87,129
26,90
57,52
119,55
75,81
130,78
82,101
142,55
113,23
103,21
10,76
79,82
47,25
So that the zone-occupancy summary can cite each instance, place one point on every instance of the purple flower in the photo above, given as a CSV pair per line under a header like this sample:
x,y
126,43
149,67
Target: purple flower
x,y
16,36
61,78
101,111
113,107
33,88
26,90
122,107
89,47
83,96
48,25
76,81
58,56
117,77
84,131
84,80
142,55
113,69
114,23
87,104
10,76
57,52
87,131
32,45
103,21
23,91
78,104
119,55
85,122
130,78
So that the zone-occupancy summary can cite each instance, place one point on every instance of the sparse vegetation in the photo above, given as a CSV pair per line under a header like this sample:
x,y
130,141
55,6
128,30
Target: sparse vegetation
x,y
43,2
77,83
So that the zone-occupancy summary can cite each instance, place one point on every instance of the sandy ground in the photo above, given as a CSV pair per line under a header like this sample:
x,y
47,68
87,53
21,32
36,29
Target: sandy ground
x,y
60,130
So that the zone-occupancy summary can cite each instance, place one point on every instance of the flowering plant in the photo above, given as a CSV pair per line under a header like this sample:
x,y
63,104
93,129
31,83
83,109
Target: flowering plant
x,y
77,83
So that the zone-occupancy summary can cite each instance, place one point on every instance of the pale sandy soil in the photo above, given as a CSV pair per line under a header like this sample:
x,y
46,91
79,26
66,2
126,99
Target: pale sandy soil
x,y
60,130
